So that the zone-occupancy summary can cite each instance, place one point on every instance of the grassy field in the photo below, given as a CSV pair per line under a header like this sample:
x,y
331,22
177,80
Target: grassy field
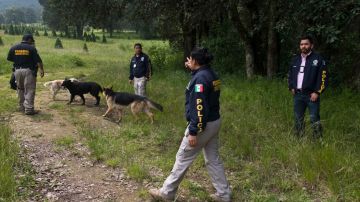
x,y
264,162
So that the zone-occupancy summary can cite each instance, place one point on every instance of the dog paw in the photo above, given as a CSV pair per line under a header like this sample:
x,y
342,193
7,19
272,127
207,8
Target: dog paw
x,y
104,115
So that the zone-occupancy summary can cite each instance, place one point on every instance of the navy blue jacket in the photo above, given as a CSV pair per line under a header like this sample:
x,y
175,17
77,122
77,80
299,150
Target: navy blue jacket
x,y
315,73
202,99
24,55
140,66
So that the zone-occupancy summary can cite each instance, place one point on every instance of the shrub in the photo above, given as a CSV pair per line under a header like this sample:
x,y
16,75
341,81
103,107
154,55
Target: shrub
x,y
58,44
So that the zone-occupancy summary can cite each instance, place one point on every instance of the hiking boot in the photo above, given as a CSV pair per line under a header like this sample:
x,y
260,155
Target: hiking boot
x,y
157,195
31,113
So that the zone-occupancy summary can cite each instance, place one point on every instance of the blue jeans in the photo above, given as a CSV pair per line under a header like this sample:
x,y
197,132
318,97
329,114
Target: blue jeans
x,y
301,102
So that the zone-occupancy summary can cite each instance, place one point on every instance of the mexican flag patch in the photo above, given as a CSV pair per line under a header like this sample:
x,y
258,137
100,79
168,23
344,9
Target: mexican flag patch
x,y
199,88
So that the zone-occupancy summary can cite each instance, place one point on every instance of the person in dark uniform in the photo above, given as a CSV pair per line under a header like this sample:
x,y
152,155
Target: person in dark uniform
x,y
308,78
140,70
26,63
203,116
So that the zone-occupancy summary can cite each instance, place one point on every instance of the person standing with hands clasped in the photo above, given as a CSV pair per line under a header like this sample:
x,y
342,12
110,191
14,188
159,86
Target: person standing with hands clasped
x,y
140,70
308,78
202,110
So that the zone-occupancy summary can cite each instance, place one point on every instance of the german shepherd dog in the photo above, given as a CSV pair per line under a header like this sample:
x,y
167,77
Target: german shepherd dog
x,y
138,103
81,88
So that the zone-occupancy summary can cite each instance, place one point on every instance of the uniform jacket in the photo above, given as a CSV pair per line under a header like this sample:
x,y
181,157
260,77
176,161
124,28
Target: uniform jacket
x,y
315,73
140,67
202,99
24,55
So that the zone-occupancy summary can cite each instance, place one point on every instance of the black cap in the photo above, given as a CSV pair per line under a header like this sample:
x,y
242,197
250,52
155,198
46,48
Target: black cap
x,y
28,37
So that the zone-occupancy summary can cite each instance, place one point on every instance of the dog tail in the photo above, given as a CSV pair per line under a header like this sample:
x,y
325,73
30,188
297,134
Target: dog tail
x,y
47,84
154,105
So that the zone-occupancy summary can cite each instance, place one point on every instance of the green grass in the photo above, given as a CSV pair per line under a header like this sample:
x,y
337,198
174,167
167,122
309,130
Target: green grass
x,y
8,158
15,172
263,160
66,142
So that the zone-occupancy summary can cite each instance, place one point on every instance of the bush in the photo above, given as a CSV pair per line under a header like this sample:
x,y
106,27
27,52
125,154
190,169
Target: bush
x,y
85,48
93,37
54,33
164,58
1,42
104,39
77,61
85,36
58,44
45,33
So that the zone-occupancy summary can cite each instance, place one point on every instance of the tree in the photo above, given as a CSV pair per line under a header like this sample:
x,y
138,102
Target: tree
x,y
2,19
58,44
93,37
61,14
107,13
1,42
181,22
14,16
11,30
85,48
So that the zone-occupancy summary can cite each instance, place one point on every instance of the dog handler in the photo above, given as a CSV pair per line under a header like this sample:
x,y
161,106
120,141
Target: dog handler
x,y
140,70
203,116
26,61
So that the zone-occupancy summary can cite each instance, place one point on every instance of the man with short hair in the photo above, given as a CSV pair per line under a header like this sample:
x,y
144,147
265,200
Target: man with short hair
x,y
26,63
308,78
140,70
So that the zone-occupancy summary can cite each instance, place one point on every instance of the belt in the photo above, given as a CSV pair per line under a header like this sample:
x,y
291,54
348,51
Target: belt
x,y
21,68
302,91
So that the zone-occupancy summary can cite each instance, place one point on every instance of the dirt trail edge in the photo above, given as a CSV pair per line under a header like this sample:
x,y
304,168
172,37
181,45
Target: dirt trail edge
x,y
66,173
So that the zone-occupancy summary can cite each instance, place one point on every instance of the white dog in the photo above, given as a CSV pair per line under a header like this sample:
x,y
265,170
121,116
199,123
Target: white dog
x,y
55,86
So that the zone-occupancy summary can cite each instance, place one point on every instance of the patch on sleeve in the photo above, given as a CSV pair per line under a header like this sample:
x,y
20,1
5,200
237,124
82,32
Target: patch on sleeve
x,y
199,88
216,84
315,62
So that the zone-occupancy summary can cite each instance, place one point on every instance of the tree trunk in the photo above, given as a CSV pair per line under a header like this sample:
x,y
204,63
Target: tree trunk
x,y
272,50
249,60
79,31
189,37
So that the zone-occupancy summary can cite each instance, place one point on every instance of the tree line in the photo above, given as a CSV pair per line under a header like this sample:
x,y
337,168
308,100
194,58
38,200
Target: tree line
x,y
257,37
19,15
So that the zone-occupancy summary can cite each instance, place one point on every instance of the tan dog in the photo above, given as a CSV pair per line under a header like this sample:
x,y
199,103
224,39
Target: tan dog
x,y
138,104
55,86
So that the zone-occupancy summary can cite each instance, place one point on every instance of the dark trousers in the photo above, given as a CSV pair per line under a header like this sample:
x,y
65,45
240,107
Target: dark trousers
x,y
301,102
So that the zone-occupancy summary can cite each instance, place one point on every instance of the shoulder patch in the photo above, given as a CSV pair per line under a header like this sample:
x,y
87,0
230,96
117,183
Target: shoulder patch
x,y
216,84
199,88
315,62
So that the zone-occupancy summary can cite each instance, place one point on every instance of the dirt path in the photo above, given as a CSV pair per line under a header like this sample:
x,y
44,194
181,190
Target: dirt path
x,y
67,174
